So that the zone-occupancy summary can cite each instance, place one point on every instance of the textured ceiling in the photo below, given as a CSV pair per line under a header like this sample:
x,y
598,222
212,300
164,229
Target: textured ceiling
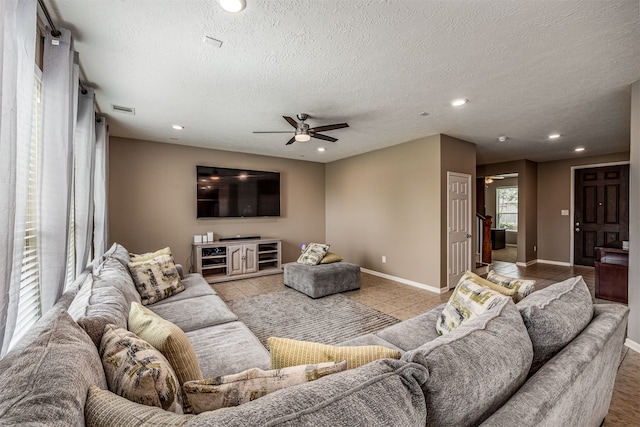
x,y
528,68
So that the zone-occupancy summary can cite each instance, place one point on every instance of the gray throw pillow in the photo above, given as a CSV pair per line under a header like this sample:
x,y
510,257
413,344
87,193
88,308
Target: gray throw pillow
x,y
475,368
554,316
47,382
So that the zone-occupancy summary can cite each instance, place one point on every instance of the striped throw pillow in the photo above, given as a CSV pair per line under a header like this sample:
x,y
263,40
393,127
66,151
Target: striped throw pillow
x,y
522,287
287,352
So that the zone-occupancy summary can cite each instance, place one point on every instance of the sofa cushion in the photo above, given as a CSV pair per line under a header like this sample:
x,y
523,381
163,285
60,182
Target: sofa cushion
x,y
111,273
412,333
156,278
116,251
522,287
194,286
149,255
287,352
382,393
554,316
313,254
48,380
169,339
504,290
195,313
476,368
369,339
109,303
467,301
137,371
78,307
233,390
228,348
106,409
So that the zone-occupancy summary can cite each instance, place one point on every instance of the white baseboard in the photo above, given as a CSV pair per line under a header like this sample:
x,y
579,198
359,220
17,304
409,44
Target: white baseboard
x,y
405,281
632,345
546,261
526,264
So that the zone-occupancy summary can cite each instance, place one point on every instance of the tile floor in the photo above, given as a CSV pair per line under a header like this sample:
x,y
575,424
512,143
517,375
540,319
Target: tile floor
x,y
404,301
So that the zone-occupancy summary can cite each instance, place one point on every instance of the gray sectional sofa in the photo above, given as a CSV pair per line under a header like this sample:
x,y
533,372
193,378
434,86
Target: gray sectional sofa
x,y
479,374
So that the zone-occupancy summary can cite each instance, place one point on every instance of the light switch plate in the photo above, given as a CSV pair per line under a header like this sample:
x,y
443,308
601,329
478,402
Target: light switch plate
x,y
564,212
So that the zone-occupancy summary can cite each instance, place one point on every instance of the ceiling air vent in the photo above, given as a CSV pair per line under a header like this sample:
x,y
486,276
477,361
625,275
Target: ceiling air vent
x,y
121,109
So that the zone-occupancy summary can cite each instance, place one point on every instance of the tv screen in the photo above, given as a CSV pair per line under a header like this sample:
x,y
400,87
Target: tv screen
x,y
237,193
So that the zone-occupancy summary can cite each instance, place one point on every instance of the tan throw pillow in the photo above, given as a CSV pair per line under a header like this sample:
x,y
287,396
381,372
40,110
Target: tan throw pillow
x,y
313,254
467,301
287,352
150,255
521,287
330,257
156,278
105,409
137,371
233,390
169,339
487,284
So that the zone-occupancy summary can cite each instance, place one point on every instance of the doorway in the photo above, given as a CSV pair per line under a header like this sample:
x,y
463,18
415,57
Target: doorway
x,y
601,210
459,211
501,200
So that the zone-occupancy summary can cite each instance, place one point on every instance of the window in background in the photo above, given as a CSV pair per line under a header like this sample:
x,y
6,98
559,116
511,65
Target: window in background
x,y
507,208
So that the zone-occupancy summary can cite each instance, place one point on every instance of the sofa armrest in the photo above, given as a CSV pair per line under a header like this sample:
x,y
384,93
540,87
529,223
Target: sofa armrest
x,y
576,385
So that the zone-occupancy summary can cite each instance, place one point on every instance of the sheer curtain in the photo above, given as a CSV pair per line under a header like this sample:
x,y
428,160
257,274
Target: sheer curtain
x,y
84,162
100,181
59,100
17,59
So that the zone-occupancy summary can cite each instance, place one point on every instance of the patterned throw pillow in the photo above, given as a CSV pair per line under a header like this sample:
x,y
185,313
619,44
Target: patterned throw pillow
x,y
521,286
330,257
156,278
150,255
233,390
487,284
169,339
313,254
467,301
287,352
137,371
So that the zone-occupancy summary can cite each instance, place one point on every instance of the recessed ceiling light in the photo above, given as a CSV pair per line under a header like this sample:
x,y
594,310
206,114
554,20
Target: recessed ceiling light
x,y
424,113
321,149
177,127
233,6
502,138
554,136
579,149
458,102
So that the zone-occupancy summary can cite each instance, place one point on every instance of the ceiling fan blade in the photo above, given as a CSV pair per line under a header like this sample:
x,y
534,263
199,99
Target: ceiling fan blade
x,y
273,131
324,137
291,121
329,127
291,141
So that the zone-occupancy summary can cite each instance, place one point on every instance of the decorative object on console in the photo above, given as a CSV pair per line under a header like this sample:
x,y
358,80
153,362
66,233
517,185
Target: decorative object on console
x,y
137,371
522,287
467,301
233,390
313,254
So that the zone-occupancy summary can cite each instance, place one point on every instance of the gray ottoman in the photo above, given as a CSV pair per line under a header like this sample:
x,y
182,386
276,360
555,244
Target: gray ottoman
x,y
323,279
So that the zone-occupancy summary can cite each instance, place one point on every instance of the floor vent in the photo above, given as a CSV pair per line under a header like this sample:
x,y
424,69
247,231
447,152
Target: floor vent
x,y
121,109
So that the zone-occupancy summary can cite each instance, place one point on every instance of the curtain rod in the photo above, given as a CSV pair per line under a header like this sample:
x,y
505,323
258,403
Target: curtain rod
x,y
54,31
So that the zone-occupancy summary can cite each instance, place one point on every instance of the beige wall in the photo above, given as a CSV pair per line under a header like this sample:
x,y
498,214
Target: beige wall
x,y
554,195
456,156
152,198
634,218
385,202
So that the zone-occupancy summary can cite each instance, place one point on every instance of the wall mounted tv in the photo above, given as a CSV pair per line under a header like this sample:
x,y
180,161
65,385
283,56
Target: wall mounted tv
x,y
237,193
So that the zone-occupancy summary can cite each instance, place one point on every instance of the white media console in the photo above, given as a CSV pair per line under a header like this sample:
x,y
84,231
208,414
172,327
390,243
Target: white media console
x,y
237,259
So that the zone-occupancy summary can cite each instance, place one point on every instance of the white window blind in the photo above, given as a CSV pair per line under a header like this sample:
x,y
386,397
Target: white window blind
x,y
29,306
507,208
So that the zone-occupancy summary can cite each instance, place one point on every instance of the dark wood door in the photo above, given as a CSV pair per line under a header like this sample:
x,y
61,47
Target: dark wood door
x,y
601,210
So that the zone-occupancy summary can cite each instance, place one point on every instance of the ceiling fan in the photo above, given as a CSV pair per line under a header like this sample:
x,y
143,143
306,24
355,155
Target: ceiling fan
x,y
304,133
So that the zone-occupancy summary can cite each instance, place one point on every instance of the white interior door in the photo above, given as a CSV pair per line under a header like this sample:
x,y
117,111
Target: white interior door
x,y
459,226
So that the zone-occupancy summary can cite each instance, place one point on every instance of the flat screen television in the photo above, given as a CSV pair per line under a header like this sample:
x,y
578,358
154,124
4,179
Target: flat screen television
x,y
237,193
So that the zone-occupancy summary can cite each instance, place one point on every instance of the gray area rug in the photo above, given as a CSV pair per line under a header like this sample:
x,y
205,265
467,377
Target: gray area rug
x,y
291,314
